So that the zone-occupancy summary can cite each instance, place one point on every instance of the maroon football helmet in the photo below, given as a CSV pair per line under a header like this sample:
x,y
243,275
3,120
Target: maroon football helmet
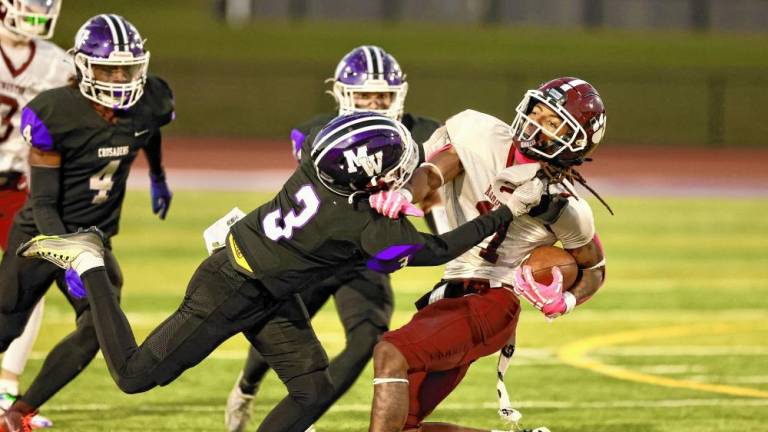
x,y
582,112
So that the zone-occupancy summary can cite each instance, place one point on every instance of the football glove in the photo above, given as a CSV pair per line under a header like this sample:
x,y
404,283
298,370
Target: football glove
x,y
549,299
393,202
161,195
75,285
519,188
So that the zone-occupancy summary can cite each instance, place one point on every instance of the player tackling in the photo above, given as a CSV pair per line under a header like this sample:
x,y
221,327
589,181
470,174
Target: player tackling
x,y
473,311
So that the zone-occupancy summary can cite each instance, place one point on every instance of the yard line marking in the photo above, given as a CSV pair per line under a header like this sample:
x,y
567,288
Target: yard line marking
x,y
357,407
682,351
576,354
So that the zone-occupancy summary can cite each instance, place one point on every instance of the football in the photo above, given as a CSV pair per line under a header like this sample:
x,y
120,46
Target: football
x,y
543,258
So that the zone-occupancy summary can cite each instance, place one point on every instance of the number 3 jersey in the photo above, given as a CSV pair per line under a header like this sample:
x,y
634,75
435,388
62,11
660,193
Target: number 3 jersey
x,y
26,70
307,234
484,145
96,155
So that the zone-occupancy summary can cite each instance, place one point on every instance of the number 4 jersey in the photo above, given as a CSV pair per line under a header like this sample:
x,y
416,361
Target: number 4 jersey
x,y
96,155
484,145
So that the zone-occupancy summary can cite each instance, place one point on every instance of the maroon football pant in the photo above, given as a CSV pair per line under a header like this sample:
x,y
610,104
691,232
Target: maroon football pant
x,y
11,201
442,340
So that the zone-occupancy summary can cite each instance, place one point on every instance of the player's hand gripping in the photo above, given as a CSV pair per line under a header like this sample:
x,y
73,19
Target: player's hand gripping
x,y
519,188
393,202
161,195
549,299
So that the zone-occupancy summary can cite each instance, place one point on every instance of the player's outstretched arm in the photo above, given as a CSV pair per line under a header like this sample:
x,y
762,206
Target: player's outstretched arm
x,y
445,247
44,190
160,193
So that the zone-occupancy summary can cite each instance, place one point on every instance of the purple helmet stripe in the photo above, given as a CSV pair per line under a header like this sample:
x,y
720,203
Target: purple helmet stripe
x,y
340,128
112,29
123,32
361,130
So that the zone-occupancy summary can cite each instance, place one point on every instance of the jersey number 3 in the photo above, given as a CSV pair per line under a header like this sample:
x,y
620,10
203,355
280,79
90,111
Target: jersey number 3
x,y
277,227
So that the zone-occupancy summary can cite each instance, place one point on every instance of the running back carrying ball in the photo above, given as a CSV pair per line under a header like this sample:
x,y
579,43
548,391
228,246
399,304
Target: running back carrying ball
x,y
543,258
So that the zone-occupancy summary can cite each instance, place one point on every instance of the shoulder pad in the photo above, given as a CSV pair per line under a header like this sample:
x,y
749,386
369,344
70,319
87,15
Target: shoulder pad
x,y
34,130
159,98
51,113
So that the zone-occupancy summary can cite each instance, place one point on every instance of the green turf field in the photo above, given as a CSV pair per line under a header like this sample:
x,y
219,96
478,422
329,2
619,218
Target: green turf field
x,y
682,325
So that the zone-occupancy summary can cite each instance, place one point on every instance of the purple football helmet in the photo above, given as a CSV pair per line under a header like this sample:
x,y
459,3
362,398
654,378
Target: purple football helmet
x,y
111,61
28,19
364,151
369,69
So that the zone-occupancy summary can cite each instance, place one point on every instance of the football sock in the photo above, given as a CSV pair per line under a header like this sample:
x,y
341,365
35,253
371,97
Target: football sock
x,y
15,358
9,386
87,261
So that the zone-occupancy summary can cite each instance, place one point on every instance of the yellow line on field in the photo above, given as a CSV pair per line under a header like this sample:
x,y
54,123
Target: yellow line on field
x,y
576,354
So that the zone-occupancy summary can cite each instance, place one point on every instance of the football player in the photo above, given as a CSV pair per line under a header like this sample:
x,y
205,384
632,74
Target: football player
x,y
474,309
83,139
30,65
270,255
366,79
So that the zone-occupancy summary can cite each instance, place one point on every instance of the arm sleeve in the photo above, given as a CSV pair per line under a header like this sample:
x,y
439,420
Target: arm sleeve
x,y
445,247
44,195
154,154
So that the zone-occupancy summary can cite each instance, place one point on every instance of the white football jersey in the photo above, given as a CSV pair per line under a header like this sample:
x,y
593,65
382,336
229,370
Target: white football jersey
x,y
25,71
484,145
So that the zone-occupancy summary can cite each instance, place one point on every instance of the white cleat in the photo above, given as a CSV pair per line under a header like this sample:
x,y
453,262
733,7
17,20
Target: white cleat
x,y
238,411
61,250
311,428
40,422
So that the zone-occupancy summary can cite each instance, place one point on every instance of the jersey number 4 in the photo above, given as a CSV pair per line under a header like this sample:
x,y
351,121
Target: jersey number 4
x,y
101,182
276,226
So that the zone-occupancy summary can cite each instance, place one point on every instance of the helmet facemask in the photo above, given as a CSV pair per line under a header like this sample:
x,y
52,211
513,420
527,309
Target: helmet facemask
x,y
401,173
31,19
536,140
345,97
115,95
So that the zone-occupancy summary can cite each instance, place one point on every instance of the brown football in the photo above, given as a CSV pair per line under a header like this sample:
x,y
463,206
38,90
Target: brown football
x,y
543,258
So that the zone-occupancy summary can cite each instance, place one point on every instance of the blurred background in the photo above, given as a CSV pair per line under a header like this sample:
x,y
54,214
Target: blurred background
x,y
672,72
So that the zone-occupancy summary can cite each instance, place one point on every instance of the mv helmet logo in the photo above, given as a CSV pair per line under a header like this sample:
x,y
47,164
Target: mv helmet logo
x,y
371,164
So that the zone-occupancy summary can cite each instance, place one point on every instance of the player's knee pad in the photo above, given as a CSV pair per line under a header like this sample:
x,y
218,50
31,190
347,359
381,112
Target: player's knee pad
x,y
311,389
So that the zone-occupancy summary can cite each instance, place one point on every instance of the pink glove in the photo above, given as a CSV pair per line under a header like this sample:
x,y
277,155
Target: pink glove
x,y
549,299
393,202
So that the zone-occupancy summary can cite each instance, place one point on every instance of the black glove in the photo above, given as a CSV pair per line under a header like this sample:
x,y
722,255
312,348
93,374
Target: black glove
x,y
550,208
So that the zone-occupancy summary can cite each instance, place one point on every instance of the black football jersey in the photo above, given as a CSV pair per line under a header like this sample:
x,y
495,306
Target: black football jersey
x,y
307,233
96,155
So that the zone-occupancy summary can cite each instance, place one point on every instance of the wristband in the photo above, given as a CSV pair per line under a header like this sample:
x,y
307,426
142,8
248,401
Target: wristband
x,y
570,301
436,169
